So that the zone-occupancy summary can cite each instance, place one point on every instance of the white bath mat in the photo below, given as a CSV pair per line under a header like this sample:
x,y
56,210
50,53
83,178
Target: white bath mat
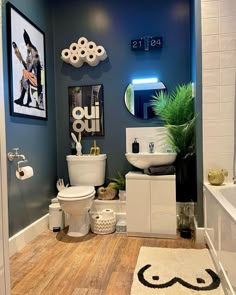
x,y
165,271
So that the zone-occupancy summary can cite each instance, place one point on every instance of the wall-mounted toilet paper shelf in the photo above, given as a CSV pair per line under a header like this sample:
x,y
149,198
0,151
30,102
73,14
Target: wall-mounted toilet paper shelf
x,y
83,51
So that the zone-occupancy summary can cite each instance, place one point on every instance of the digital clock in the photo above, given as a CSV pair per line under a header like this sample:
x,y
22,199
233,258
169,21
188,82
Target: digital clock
x,y
155,42
137,44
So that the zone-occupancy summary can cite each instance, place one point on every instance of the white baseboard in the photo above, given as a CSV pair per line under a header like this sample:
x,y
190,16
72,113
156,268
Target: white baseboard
x,y
23,237
199,232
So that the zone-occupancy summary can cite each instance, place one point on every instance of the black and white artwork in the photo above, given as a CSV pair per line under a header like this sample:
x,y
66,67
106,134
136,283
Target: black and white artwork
x,y
27,67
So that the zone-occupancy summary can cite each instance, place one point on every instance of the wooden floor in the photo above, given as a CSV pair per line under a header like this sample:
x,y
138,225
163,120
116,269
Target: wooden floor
x,y
55,263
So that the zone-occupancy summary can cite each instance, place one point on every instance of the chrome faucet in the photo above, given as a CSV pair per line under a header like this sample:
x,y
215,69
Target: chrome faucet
x,y
15,155
151,147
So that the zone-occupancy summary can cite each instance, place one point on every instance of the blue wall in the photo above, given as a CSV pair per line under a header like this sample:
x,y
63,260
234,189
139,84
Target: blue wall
x,y
113,24
29,199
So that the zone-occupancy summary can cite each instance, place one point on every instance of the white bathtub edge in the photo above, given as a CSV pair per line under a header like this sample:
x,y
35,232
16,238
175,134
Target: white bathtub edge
x,y
215,250
223,276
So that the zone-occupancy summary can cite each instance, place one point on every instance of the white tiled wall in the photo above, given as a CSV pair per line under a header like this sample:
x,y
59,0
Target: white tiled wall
x,y
219,76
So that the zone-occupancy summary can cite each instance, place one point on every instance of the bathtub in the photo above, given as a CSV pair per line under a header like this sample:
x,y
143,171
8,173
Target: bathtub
x,y
220,231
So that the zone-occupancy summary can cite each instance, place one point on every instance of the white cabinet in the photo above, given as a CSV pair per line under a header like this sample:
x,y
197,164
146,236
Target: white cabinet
x,y
138,205
150,205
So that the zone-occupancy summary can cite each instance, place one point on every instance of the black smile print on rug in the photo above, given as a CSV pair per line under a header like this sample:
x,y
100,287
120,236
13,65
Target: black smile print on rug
x,y
212,286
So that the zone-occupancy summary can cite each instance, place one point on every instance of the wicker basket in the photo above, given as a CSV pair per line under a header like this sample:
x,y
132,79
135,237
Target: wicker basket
x,y
102,226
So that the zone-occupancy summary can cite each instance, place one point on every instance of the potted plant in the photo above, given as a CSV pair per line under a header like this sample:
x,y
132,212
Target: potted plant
x,y
119,183
177,113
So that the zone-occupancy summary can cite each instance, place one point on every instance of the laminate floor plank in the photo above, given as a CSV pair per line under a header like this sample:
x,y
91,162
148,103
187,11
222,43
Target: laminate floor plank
x,y
103,263
129,254
80,291
26,258
58,267
55,263
120,283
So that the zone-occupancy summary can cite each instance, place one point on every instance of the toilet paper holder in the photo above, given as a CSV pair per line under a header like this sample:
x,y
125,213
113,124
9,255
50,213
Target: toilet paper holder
x,y
19,168
15,155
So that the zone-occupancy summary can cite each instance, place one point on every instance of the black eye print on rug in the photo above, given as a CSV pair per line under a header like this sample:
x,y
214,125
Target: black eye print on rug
x,y
214,284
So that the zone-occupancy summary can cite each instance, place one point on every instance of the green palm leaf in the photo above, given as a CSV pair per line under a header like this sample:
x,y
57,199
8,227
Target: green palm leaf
x,y
177,112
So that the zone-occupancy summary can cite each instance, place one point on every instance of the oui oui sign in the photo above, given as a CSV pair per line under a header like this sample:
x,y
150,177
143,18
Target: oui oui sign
x,y
86,110
86,119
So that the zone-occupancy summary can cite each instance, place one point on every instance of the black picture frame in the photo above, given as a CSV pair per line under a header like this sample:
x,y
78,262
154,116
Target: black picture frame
x,y
86,110
27,66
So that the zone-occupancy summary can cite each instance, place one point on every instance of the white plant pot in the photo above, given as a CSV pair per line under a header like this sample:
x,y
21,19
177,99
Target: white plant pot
x,y
122,195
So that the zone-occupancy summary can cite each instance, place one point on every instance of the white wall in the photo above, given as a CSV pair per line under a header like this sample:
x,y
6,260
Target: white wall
x,y
218,79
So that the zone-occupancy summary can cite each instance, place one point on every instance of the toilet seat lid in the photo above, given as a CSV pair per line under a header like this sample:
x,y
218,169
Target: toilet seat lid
x,y
76,192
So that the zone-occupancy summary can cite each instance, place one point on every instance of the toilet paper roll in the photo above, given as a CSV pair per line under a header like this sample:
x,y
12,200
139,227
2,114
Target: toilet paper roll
x,y
75,60
82,52
96,217
65,55
74,47
91,46
82,42
24,173
107,213
92,59
100,52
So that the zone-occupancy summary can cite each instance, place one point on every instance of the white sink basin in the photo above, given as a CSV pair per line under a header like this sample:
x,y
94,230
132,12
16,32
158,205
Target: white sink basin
x,y
146,160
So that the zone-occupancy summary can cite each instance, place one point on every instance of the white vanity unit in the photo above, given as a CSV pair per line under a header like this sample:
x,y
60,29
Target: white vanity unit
x,y
150,205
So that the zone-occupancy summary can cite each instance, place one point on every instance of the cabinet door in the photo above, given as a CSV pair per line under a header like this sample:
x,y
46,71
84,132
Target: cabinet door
x,y
138,206
163,206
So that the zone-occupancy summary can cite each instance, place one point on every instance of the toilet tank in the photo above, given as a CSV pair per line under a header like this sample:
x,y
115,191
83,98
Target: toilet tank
x,y
86,169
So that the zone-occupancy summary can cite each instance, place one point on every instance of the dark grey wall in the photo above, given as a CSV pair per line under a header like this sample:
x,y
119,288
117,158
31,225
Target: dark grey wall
x,y
113,24
29,199
197,78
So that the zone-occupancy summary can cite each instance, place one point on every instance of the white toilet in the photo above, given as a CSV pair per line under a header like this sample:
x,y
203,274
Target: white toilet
x,y
85,172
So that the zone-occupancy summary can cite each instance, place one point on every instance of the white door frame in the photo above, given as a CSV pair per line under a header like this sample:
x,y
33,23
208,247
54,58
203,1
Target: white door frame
x,y
3,176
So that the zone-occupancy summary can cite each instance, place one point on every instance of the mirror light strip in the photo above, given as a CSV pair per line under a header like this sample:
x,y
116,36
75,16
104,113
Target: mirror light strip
x,y
144,80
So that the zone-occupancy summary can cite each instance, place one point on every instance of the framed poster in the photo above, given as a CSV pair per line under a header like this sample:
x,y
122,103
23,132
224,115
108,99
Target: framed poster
x,y
86,113
27,66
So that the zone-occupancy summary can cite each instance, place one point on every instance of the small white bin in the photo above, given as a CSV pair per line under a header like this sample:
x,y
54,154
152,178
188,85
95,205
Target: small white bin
x,y
56,217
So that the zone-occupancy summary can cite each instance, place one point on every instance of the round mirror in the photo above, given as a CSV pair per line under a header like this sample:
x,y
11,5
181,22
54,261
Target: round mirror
x,y
138,97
